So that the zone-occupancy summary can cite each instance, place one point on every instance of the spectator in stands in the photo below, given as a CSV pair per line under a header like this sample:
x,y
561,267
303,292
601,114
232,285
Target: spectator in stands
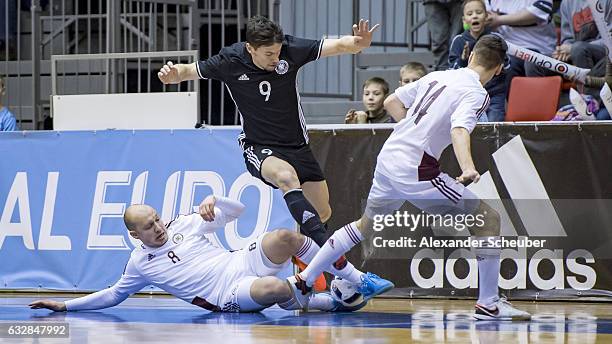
x,y
375,91
7,119
580,40
411,72
581,43
443,22
474,20
527,24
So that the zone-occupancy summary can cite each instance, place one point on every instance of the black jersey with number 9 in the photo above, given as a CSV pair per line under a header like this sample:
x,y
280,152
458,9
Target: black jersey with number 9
x,y
268,102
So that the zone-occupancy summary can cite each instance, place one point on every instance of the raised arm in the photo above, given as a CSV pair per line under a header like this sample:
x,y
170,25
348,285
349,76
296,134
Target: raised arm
x,y
130,283
361,39
172,73
217,211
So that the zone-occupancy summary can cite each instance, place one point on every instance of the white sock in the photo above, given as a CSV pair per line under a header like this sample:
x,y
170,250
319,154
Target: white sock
x,y
339,243
488,274
309,250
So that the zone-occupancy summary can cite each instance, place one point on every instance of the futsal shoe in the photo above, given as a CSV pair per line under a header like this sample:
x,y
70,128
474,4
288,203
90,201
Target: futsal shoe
x,y
320,283
300,292
327,303
372,285
501,310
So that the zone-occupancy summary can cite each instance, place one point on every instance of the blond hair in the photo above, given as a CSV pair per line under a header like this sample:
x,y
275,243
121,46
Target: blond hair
x,y
417,67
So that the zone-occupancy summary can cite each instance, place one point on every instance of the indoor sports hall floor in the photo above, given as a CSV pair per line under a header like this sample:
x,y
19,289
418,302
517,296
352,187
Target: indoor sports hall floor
x,y
160,319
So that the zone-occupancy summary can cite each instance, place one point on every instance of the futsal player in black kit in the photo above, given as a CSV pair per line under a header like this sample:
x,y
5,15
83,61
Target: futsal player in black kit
x,y
261,77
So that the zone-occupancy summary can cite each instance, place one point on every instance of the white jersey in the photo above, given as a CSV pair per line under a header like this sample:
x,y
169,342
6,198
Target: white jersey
x,y
540,36
186,266
436,104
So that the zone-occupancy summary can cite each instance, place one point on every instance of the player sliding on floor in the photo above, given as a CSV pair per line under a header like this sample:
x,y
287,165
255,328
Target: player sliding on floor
x,y
443,108
179,259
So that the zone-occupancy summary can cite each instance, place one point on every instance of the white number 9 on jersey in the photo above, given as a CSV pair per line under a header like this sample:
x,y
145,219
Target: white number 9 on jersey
x,y
265,89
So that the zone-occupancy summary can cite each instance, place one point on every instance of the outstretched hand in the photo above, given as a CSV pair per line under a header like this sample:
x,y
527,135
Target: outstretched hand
x,y
48,304
363,34
169,74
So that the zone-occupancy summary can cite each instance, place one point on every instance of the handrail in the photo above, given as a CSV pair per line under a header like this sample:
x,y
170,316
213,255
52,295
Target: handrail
x,y
111,56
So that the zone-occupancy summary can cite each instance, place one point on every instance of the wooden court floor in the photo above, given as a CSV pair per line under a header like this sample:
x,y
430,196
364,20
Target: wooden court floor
x,y
160,319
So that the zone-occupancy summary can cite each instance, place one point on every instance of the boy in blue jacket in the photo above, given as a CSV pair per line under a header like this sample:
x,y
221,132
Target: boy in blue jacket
x,y
474,18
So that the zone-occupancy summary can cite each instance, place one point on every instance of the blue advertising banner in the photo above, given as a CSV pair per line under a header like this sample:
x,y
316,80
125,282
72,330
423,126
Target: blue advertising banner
x,y
63,194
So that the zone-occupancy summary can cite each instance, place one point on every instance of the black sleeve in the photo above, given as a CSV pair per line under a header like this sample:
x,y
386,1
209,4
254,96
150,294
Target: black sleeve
x,y
301,51
213,68
455,52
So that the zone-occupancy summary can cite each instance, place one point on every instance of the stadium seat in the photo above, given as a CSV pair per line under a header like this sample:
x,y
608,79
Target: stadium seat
x,y
533,99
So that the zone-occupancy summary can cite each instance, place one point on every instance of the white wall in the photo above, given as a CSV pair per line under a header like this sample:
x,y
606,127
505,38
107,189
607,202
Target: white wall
x,y
167,110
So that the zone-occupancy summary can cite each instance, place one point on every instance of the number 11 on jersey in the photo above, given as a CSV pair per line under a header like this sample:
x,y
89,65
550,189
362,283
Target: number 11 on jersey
x,y
265,89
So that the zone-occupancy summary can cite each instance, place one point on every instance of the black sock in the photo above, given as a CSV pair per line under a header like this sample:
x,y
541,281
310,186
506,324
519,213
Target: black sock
x,y
305,214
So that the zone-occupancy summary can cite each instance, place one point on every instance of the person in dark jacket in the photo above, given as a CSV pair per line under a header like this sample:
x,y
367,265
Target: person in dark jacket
x,y
474,18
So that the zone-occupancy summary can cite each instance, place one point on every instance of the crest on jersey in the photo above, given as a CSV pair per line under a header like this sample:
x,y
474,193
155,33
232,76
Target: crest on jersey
x,y
282,67
177,238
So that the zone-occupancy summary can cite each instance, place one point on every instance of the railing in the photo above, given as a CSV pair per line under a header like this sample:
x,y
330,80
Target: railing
x,y
112,75
403,28
35,30
52,27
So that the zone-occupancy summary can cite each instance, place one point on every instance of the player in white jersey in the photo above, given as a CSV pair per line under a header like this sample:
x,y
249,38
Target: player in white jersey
x,y
179,259
433,112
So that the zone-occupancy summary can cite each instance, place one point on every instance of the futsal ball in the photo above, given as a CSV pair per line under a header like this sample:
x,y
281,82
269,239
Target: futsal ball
x,y
345,292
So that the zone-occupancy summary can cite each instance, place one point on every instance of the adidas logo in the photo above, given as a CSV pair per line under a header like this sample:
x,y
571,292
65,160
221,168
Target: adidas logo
x,y
307,216
243,77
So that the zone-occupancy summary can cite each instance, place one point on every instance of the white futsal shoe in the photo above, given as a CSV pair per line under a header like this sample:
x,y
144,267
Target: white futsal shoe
x,y
501,310
300,294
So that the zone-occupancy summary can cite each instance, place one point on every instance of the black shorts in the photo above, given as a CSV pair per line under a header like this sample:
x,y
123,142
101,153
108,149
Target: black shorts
x,y
301,158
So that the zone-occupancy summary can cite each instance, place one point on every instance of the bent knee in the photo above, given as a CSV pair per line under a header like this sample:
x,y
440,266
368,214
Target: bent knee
x,y
286,179
288,238
579,47
277,287
488,221
492,223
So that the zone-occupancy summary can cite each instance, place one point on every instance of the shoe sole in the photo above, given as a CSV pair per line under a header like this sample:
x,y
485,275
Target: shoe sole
x,y
381,291
486,317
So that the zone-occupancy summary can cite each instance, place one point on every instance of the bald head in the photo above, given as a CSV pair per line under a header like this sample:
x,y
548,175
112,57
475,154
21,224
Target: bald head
x,y
136,215
143,223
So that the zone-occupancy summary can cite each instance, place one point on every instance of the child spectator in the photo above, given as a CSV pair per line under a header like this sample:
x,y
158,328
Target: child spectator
x,y
474,19
411,72
375,90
